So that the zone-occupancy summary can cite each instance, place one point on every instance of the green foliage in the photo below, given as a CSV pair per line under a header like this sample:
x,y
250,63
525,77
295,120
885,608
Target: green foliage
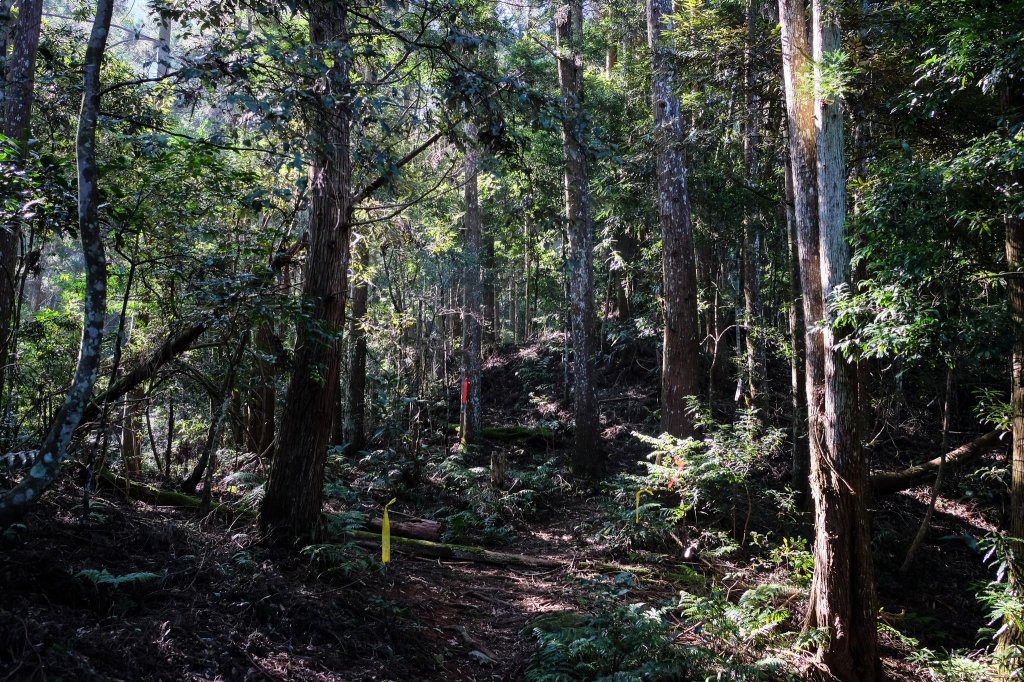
x,y
745,627
944,666
623,644
340,559
105,577
793,554
477,511
992,407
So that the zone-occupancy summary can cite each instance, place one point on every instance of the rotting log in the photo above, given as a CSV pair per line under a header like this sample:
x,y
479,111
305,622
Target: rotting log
x,y
457,552
885,483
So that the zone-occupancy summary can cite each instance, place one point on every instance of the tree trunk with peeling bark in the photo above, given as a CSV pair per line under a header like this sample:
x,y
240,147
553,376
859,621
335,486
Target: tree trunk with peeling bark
x,y
16,502
842,598
294,497
681,353
587,459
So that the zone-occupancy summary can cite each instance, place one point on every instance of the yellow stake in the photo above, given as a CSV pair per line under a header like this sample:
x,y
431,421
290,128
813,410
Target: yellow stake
x,y
385,535
638,494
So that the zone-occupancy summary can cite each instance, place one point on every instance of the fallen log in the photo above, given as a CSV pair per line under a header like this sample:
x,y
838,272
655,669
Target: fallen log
x,y
458,552
887,482
143,492
421,529
146,368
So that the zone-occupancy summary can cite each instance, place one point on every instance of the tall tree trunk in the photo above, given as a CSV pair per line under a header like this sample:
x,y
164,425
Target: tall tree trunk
x,y
20,68
472,309
355,412
681,353
16,502
754,355
842,590
587,458
796,65
294,496
1013,635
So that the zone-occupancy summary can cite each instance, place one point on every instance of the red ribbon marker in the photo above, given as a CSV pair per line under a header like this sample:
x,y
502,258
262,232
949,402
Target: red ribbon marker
x,y
465,390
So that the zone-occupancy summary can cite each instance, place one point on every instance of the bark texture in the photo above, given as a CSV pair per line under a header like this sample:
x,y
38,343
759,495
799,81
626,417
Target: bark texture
x,y
294,496
16,502
796,65
842,597
587,459
681,355
1013,637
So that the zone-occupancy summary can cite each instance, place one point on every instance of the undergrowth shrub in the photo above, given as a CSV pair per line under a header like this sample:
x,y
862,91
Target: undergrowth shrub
x,y
641,642
687,477
478,512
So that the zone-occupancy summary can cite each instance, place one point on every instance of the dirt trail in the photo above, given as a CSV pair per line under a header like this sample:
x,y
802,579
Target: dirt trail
x,y
476,614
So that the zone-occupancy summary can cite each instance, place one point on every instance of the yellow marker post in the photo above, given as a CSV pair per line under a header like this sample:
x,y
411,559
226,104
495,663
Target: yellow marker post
x,y
638,494
385,535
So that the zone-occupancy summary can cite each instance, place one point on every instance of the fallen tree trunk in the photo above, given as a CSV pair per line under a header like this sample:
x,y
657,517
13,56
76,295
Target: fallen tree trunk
x,y
143,492
457,552
421,529
885,483
146,368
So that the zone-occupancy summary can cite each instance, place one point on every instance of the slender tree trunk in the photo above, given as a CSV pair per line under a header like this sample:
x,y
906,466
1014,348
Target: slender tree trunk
x,y
16,502
842,590
681,351
355,414
472,308
169,452
294,496
490,298
587,458
131,433
800,471
754,356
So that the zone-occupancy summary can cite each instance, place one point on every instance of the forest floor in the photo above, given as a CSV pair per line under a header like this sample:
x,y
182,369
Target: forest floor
x,y
142,592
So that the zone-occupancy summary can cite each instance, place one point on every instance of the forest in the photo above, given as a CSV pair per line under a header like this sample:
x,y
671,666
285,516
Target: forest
x,y
512,340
